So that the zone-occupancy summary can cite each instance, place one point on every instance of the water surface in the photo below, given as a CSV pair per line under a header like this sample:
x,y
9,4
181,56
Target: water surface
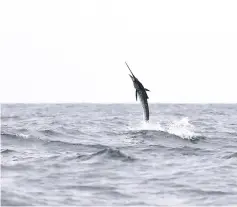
x,y
97,155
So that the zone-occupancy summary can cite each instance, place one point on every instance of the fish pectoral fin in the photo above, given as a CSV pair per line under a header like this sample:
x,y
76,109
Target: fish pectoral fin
x,y
147,89
136,95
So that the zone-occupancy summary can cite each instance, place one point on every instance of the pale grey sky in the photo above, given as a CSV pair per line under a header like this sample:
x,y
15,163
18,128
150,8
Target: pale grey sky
x,y
74,51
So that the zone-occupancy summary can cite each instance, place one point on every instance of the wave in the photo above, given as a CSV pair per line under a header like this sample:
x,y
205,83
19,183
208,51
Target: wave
x,y
50,132
107,153
65,144
209,192
15,135
190,150
233,155
10,117
44,132
62,132
113,153
61,144
6,151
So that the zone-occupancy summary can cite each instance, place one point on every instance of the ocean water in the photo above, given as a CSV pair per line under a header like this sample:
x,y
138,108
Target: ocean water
x,y
105,155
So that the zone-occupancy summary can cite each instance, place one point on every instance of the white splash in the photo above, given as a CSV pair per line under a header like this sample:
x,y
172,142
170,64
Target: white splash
x,y
152,126
26,136
182,128
145,126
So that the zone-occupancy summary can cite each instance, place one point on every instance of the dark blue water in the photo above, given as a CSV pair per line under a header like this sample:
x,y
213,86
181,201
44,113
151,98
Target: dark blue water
x,y
97,155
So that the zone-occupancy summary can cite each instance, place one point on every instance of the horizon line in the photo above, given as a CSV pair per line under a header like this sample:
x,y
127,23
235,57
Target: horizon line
x,y
133,103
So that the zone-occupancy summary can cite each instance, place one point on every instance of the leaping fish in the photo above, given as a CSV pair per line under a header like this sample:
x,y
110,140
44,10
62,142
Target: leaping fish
x,y
141,93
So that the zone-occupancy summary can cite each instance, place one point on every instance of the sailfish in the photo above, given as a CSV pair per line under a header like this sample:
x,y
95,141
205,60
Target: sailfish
x,y
141,93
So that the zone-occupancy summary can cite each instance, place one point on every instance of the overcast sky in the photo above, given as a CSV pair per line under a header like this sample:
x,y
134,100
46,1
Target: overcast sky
x,y
74,51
